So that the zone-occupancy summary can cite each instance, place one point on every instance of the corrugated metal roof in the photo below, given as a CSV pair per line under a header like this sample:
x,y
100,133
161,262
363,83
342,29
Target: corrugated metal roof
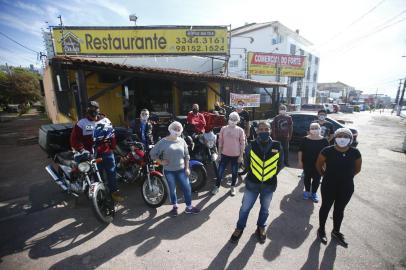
x,y
175,73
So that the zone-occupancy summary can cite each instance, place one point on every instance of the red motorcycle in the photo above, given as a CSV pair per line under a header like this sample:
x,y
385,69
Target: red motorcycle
x,y
135,165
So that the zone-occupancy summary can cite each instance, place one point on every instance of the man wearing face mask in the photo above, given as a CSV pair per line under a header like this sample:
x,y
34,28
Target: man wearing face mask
x,y
231,147
282,129
196,119
143,128
264,160
244,118
338,164
326,128
82,139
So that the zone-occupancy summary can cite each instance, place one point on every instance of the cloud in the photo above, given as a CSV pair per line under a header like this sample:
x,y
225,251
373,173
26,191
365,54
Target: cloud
x,y
112,6
26,26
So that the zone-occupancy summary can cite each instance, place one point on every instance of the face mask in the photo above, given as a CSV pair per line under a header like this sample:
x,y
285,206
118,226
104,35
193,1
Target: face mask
x,y
343,142
322,117
175,133
93,113
282,111
263,136
315,131
144,117
238,107
195,111
232,123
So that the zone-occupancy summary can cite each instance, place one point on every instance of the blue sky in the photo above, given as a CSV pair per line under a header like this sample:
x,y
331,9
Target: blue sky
x,y
362,51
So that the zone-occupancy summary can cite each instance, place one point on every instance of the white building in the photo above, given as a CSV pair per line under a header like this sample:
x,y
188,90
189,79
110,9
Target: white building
x,y
274,37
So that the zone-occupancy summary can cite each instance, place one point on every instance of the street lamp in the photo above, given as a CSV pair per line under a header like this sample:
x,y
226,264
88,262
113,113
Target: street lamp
x,y
133,18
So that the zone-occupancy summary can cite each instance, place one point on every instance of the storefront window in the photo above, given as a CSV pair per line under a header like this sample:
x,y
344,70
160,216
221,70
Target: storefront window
x,y
192,93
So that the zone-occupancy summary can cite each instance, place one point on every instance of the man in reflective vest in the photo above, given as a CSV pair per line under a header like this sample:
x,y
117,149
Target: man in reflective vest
x,y
264,160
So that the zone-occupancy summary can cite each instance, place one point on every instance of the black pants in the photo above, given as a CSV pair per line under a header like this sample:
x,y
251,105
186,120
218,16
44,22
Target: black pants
x,y
285,146
308,183
337,193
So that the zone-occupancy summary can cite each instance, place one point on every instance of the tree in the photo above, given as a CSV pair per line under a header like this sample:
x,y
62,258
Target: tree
x,y
19,86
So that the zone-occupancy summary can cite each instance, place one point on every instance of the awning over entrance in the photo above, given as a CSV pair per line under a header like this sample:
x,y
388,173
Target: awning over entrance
x,y
147,72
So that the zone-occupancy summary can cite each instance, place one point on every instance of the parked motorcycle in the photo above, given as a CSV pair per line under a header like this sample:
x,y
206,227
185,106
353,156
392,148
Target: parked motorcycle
x,y
203,151
135,165
77,173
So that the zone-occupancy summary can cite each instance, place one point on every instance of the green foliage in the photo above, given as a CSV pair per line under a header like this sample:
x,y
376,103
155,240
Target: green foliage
x,y
20,86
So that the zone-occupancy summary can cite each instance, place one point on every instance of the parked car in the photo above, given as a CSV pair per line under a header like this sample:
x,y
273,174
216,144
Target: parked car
x,y
317,107
13,108
301,124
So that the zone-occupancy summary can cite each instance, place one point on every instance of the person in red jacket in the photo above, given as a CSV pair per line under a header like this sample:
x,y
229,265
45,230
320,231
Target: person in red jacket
x,y
82,139
196,119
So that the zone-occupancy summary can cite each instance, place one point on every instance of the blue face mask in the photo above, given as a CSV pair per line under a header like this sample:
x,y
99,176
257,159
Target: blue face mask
x,y
263,136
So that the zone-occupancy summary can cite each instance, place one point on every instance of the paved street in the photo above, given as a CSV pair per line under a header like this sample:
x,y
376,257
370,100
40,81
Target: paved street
x,y
41,228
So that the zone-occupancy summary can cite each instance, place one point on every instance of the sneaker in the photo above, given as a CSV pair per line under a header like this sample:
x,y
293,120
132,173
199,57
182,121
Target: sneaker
x,y
322,236
174,212
305,195
215,190
192,210
117,197
236,236
232,191
339,237
260,233
315,197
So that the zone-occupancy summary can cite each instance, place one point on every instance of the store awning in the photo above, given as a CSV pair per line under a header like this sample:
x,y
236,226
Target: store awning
x,y
142,71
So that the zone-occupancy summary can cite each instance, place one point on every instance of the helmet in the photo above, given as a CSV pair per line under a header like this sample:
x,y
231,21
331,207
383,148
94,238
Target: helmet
x,y
103,132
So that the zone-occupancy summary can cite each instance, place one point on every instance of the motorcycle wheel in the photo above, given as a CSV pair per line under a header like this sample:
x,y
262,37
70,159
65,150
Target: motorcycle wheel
x,y
155,195
103,205
197,177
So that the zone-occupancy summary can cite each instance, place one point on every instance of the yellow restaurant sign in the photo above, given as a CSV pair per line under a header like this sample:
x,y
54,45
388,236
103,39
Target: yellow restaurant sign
x,y
267,64
205,40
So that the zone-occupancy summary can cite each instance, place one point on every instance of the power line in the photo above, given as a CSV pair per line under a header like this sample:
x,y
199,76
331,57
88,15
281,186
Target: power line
x,y
13,40
353,23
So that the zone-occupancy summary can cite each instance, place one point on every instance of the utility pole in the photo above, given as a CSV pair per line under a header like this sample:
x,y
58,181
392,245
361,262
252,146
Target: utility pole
x,y
397,96
62,36
401,97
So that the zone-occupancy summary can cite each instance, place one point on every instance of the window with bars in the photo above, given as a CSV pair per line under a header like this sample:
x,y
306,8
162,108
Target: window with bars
x,y
292,48
307,91
313,92
233,63
315,77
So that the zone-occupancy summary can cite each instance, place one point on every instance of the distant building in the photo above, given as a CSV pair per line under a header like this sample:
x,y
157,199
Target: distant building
x,y
337,91
274,37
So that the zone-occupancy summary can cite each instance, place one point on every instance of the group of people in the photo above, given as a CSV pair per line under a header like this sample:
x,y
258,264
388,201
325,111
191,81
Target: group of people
x,y
323,153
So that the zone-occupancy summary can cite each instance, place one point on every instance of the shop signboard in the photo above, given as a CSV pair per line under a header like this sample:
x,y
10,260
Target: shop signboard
x,y
245,100
162,40
267,64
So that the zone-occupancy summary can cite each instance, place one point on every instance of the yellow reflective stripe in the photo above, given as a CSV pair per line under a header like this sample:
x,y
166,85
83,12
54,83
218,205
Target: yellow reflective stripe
x,y
258,167
256,158
269,175
272,159
267,169
256,173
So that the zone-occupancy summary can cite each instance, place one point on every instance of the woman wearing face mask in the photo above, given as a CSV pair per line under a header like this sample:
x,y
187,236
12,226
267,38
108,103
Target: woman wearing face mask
x,y
309,150
338,164
172,152
231,148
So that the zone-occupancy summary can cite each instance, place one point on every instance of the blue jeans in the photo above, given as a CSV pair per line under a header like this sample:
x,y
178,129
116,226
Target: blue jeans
x,y
180,177
222,167
109,166
252,190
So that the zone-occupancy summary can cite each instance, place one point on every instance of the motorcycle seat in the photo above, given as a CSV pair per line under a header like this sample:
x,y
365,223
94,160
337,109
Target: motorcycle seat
x,y
65,158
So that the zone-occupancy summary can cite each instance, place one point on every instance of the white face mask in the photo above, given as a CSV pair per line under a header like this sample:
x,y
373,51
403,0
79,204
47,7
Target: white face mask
x,y
282,111
175,133
238,107
144,117
232,123
322,117
342,142
315,131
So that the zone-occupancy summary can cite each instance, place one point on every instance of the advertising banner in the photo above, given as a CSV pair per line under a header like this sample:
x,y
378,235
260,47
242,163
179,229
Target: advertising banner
x,y
245,100
165,40
267,64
